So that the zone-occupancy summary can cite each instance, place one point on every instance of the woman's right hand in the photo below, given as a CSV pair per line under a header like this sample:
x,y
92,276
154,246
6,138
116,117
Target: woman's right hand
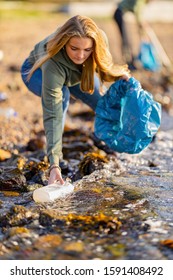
x,y
126,76
55,175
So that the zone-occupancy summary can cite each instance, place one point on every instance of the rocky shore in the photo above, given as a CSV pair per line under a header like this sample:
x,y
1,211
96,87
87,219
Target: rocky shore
x,y
121,207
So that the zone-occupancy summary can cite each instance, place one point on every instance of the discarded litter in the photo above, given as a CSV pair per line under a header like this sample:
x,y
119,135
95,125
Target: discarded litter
x,y
51,192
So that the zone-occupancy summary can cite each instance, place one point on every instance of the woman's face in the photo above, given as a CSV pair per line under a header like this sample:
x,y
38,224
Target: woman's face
x,y
79,49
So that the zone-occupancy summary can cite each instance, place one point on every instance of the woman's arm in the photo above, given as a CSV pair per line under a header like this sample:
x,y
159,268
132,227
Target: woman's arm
x,y
53,81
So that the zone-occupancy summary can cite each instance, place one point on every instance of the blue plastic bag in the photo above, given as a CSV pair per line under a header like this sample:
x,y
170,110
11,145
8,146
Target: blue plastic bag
x,y
148,57
127,117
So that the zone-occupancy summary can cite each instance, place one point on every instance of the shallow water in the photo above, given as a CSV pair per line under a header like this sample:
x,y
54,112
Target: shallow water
x,y
121,211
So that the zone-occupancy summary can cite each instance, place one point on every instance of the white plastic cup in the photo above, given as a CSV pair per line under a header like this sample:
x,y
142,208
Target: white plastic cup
x,y
51,192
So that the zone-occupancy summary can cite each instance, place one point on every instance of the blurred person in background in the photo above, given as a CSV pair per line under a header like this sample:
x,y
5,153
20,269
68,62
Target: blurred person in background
x,y
136,7
66,63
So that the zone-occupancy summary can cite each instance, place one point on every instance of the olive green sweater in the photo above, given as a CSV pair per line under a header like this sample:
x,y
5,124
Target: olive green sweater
x,y
56,72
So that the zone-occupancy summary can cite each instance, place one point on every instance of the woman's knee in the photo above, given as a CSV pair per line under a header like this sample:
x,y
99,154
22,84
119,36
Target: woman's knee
x,y
34,84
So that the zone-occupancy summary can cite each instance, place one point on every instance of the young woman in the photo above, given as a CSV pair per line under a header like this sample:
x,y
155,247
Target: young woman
x,y
73,60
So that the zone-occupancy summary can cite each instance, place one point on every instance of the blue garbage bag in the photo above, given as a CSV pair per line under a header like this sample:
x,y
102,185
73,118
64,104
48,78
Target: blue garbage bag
x,y
148,57
127,117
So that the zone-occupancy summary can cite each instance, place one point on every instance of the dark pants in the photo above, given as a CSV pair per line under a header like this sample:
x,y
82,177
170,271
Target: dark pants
x,y
127,52
118,17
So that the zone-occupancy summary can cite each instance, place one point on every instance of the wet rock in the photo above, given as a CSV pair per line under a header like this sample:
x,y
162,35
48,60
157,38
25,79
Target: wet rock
x,y
33,186
39,178
36,172
47,241
12,179
90,163
86,196
49,217
18,240
132,194
75,143
15,160
17,216
22,231
117,250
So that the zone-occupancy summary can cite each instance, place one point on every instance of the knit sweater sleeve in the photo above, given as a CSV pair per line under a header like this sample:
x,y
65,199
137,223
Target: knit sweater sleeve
x,y
53,78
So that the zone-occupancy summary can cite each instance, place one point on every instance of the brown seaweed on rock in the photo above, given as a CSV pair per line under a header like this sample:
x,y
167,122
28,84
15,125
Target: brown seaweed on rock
x,y
18,215
91,162
98,223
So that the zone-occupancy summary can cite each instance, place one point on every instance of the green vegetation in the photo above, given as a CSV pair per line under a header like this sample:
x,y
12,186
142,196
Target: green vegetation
x,y
13,9
20,13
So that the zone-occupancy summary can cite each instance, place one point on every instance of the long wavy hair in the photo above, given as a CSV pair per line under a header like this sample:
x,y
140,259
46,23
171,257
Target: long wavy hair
x,y
100,59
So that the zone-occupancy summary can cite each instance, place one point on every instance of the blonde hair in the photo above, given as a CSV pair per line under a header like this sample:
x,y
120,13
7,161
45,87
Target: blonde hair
x,y
100,59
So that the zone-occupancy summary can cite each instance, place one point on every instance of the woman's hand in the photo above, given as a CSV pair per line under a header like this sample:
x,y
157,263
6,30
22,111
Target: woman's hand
x,y
126,76
55,175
